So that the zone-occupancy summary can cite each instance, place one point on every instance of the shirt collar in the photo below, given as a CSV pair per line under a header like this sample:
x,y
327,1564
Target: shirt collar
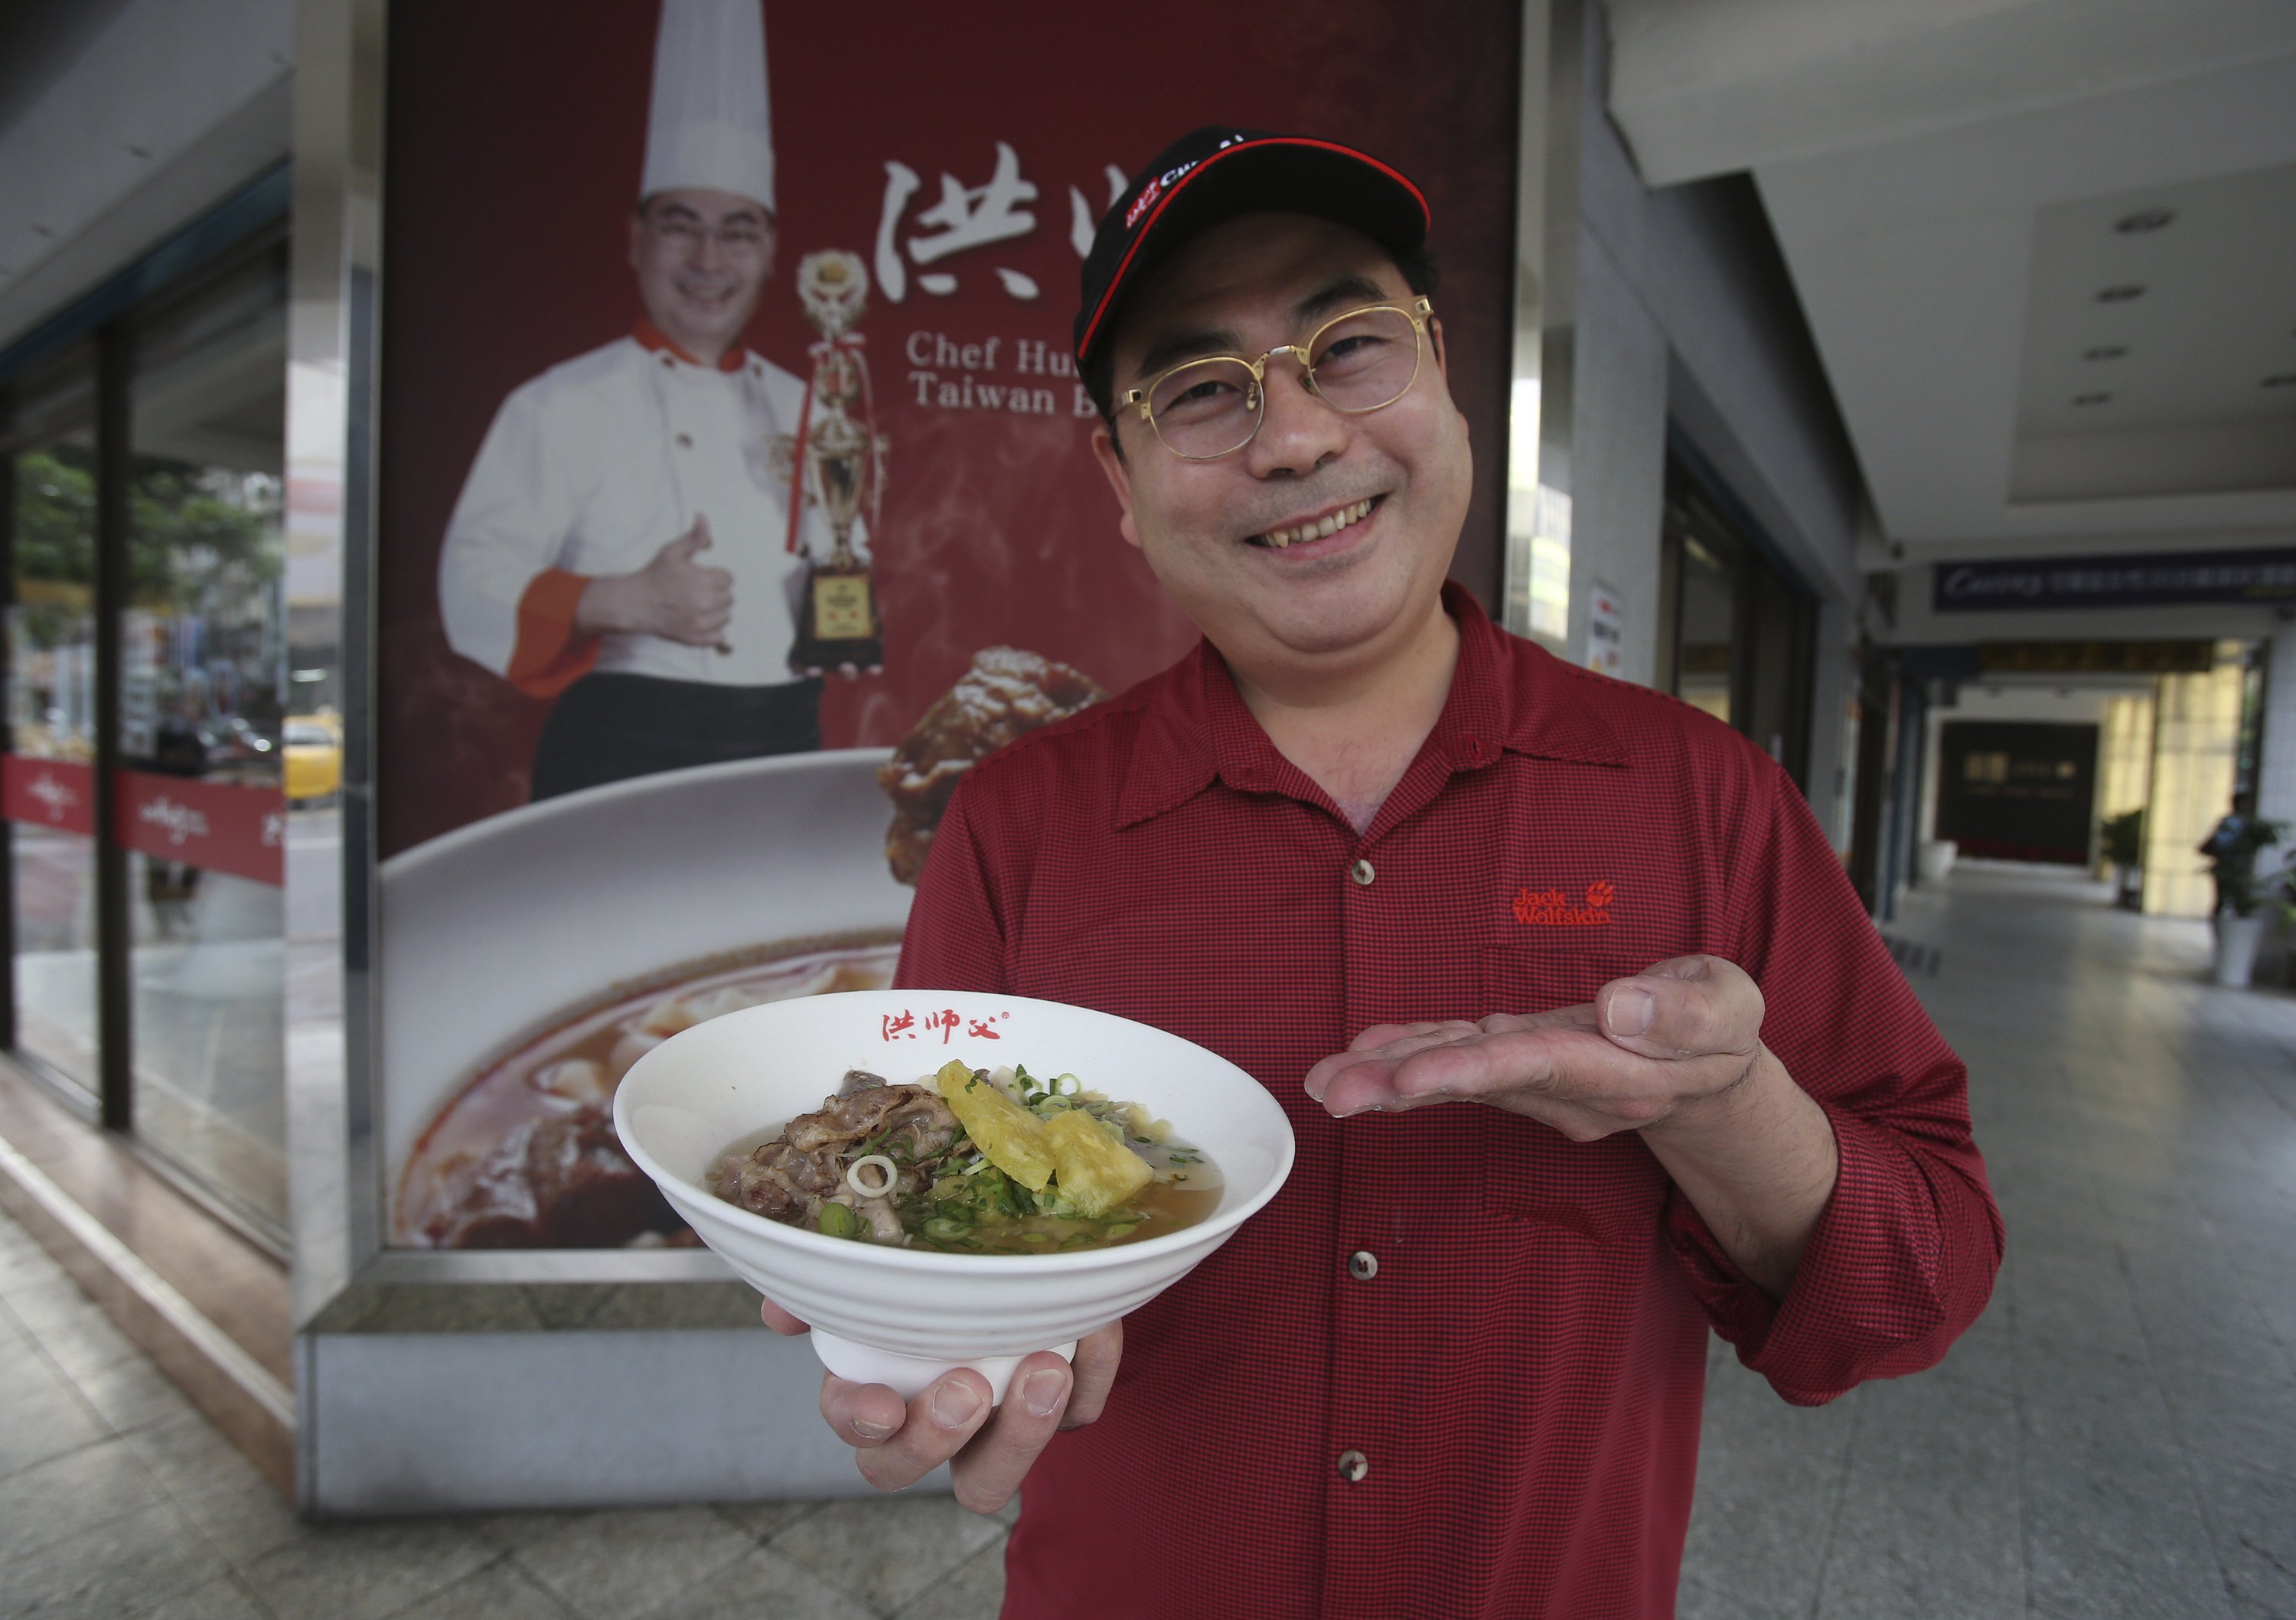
x,y
649,337
1507,695
1516,691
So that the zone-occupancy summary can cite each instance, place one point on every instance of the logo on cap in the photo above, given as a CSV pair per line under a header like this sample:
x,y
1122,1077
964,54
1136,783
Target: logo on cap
x,y
1148,194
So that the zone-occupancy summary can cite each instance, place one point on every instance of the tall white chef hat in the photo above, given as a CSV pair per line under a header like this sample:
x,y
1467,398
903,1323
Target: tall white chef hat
x,y
709,126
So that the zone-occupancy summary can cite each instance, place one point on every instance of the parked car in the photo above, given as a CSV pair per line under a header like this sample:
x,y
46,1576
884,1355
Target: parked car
x,y
314,757
237,751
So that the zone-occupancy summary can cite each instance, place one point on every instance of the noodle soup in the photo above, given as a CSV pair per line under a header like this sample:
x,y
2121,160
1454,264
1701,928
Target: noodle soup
x,y
525,1156
972,1161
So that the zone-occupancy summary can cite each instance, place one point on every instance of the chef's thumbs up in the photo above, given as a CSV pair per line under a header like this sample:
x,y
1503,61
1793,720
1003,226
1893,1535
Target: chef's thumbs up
x,y
682,598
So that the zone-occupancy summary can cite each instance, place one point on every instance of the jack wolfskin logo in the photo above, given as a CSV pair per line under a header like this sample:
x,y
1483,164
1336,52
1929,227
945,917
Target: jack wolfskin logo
x,y
1551,910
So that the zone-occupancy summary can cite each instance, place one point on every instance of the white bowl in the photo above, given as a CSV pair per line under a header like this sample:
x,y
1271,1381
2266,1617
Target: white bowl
x,y
902,1316
499,928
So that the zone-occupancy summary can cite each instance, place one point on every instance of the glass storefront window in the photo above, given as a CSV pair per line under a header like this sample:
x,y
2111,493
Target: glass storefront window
x,y
1709,631
1735,633
48,777
203,713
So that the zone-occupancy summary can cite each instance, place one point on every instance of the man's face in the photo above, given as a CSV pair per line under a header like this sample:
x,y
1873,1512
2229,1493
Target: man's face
x,y
701,257
1319,603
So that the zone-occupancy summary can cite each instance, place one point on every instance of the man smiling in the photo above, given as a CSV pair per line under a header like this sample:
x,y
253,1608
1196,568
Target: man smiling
x,y
623,543
1585,1041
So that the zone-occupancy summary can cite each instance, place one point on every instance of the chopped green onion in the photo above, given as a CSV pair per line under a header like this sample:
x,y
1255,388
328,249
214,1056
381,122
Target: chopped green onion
x,y
888,1175
838,1220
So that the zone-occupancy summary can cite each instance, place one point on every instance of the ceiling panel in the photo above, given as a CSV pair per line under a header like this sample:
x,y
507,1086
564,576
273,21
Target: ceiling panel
x,y
1950,282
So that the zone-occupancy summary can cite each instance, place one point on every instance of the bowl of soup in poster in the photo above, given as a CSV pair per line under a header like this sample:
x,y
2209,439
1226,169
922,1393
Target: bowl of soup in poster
x,y
885,1314
527,959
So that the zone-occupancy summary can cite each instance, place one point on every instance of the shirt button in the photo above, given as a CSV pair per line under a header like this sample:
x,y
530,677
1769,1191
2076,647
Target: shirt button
x,y
1363,1265
1362,873
685,441
1353,1466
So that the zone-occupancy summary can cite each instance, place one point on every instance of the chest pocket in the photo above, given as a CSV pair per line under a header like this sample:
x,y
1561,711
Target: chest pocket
x,y
1606,1194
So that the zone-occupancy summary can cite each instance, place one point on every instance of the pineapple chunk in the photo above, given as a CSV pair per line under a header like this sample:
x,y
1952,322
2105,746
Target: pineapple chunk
x,y
1098,1172
1012,1137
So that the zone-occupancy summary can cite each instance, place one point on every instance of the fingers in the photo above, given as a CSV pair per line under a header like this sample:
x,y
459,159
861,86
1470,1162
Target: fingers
x,y
1523,1063
1372,1083
862,1415
901,1444
989,1453
1097,1356
1401,1039
1681,1030
1688,1007
993,1466
1381,1035
693,540
703,607
702,630
779,1321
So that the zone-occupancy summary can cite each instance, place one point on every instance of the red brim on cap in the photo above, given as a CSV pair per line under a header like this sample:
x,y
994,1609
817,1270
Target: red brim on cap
x,y
1277,174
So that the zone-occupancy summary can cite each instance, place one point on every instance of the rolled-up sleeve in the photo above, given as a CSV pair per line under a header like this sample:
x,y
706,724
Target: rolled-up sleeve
x,y
1904,1255
504,603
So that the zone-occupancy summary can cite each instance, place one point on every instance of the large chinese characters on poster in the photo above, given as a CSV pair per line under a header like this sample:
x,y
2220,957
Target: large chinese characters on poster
x,y
607,538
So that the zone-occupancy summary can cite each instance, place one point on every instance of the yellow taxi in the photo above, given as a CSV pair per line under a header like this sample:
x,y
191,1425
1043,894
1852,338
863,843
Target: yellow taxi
x,y
314,757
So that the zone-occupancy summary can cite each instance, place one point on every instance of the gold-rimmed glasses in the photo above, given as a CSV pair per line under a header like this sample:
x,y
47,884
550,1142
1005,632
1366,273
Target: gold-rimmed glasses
x,y
1356,362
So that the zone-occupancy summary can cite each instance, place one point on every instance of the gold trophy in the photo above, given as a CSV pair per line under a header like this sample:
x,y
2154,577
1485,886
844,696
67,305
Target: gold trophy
x,y
840,467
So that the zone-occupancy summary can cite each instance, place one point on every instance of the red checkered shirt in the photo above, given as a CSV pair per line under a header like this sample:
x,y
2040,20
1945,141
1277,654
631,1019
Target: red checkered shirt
x,y
1522,1373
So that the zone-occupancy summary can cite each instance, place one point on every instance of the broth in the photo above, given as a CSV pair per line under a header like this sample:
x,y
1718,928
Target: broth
x,y
564,1077
1191,1193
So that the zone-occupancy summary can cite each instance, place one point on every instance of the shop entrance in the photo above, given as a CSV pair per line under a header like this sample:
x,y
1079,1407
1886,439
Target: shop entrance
x,y
2017,791
147,697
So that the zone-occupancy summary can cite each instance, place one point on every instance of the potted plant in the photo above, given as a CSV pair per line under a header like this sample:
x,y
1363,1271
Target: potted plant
x,y
2232,850
2284,896
2123,847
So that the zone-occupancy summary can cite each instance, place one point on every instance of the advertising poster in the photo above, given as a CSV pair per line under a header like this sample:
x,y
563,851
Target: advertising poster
x,y
887,477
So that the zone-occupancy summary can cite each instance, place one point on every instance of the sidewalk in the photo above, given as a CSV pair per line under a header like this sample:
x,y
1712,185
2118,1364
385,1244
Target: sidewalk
x,y
2116,1438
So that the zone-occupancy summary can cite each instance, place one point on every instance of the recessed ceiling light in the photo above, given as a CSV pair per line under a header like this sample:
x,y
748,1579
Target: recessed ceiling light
x,y
2091,399
2109,351
2121,294
2144,221
2281,379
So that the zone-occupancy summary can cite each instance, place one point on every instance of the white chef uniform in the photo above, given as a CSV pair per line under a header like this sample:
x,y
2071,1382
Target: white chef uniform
x,y
596,465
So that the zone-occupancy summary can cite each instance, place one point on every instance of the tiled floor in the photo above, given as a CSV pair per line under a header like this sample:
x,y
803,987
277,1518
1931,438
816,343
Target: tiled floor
x,y
2116,1438
2117,1435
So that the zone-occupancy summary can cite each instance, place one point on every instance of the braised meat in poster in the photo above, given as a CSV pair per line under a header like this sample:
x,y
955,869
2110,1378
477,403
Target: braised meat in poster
x,y
1006,694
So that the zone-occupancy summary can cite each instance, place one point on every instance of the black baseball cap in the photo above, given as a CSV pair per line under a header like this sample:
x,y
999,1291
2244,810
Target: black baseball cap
x,y
1213,174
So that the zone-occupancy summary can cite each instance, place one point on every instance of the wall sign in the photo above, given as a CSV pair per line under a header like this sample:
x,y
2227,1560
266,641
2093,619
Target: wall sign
x,y
1606,631
2096,657
2143,581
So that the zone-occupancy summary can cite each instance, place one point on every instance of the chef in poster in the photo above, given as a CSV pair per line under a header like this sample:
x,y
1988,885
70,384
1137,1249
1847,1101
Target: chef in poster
x,y
624,542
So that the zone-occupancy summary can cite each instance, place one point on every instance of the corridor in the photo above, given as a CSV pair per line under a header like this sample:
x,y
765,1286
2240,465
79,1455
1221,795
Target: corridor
x,y
2117,1435
2116,1438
